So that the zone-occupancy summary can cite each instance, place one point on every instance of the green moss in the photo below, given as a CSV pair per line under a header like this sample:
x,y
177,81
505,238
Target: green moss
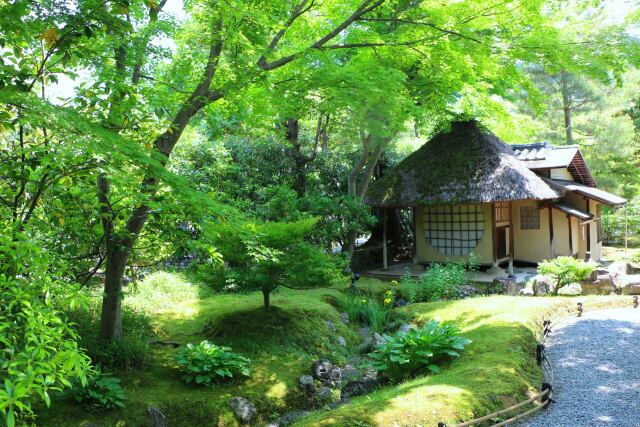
x,y
497,369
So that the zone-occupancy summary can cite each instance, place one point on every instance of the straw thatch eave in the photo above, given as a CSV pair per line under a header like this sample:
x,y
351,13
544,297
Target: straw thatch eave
x,y
465,165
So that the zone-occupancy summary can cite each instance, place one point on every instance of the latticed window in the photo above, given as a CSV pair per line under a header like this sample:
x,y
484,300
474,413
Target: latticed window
x,y
502,211
529,218
454,230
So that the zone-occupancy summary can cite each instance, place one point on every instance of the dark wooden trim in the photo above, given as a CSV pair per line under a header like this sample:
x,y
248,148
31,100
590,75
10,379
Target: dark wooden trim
x,y
494,233
415,233
553,254
511,238
588,230
570,235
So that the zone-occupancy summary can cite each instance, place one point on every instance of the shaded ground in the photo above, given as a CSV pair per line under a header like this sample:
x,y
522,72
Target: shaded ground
x,y
596,371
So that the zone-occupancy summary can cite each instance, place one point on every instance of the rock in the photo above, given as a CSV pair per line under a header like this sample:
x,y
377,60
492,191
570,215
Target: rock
x,y
364,332
405,327
350,373
328,374
378,339
541,285
341,341
156,417
618,268
526,292
326,395
244,410
572,289
603,285
289,418
633,268
630,285
467,291
358,388
306,383
366,345
344,318
369,374
400,302
507,285
331,325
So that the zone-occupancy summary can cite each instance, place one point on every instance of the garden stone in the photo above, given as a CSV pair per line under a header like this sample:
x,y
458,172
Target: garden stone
x,y
405,327
156,417
507,285
526,292
306,383
327,373
358,388
244,410
630,285
350,373
344,317
400,302
341,341
572,289
467,291
541,285
378,339
326,395
603,285
289,418
331,325
364,331
633,268
366,345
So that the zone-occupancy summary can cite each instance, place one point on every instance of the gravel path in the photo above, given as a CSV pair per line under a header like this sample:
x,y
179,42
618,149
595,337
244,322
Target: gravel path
x,y
596,364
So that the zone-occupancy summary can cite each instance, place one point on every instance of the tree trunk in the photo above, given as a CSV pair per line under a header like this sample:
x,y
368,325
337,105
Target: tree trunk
x,y
566,107
266,298
111,319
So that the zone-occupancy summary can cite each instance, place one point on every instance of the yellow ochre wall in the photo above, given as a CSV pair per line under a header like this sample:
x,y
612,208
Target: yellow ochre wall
x,y
426,253
531,245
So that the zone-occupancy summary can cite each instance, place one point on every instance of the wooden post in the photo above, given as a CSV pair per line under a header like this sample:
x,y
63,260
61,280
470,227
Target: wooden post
x,y
570,236
494,234
511,239
626,232
385,264
551,242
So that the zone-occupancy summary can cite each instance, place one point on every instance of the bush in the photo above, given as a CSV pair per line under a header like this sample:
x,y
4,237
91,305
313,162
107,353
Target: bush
x,y
38,350
102,392
132,352
438,282
207,363
565,270
408,353
368,311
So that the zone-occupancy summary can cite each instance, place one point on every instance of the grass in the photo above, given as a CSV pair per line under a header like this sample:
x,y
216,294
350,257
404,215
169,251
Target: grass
x,y
281,342
497,369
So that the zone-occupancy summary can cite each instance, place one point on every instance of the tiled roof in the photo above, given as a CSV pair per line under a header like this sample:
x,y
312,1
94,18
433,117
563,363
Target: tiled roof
x,y
542,155
585,216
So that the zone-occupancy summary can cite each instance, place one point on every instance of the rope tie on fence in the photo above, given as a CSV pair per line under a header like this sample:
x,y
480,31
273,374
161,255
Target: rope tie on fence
x,y
546,390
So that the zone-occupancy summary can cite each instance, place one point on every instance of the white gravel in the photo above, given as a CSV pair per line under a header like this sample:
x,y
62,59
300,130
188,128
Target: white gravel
x,y
596,365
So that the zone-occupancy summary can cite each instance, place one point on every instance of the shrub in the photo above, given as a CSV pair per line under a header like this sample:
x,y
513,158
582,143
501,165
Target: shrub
x,y
207,363
38,350
102,392
408,353
438,282
368,311
131,353
565,270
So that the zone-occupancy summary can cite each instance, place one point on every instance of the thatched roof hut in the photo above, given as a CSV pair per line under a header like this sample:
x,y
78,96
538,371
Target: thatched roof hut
x,y
468,164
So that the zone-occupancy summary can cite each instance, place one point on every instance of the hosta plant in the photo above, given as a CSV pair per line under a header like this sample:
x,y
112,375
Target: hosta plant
x,y
207,363
417,350
102,392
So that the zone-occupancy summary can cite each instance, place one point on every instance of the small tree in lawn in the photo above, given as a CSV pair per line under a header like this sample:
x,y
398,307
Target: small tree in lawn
x,y
263,256
565,270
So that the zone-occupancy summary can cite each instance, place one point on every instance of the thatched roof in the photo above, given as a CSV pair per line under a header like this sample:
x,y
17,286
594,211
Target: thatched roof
x,y
465,165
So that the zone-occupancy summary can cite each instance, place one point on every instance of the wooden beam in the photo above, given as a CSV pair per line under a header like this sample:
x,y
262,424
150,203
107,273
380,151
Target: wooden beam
x,y
415,234
551,242
385,262
511,239
494,231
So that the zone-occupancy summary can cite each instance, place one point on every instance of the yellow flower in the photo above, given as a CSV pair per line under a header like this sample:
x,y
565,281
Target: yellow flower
x,y
363,300
389,292
387,300
394,282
